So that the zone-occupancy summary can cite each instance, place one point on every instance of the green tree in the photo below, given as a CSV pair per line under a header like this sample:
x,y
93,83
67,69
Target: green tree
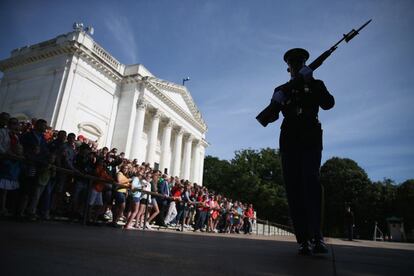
x,y
345,183
405,205
252,176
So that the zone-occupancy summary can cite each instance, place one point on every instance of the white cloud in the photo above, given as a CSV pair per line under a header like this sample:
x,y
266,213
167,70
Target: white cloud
x,y
124,34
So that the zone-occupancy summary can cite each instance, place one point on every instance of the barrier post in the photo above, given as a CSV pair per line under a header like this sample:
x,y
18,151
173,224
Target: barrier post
x,y
145,213
183,217
86,207
268,227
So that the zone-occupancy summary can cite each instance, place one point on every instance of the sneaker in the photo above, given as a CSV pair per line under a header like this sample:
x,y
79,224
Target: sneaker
x,y
305,248
108,215
148,226
320,247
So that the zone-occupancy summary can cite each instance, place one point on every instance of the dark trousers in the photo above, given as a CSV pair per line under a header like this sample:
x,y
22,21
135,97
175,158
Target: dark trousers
x,y
163,205
182,212
247,226
304,192
350,231
201,220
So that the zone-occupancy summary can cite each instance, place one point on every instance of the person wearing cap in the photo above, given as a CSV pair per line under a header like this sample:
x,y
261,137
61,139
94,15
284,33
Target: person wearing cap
x,y
301,147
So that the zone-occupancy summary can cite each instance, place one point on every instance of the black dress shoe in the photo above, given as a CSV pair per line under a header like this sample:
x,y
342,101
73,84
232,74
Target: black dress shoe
x,y
305,248
320,248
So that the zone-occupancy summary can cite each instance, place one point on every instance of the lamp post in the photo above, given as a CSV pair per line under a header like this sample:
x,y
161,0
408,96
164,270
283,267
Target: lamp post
x,y
185,79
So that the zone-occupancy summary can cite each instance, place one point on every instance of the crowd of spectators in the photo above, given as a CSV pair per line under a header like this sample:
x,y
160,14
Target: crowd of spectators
x,y
38,189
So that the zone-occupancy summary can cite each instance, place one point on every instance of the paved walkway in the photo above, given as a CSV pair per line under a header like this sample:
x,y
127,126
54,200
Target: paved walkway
x,y
56,248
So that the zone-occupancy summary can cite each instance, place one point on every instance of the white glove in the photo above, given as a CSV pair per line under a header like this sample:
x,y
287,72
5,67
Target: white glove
x,y
306,73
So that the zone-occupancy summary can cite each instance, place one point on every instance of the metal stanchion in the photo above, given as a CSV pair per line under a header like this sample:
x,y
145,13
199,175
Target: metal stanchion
x,y
86,207
183,217
268,227
145,213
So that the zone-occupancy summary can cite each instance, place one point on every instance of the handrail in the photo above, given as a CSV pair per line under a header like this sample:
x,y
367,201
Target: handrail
x,y
281,226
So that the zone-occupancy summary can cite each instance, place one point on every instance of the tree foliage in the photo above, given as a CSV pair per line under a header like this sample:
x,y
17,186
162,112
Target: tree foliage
x,y
345,184
252,176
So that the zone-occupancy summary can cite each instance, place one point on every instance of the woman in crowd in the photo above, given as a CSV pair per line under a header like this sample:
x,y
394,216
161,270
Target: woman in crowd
x,y
155,210
144,201
214,214
136,198
9,169
123,182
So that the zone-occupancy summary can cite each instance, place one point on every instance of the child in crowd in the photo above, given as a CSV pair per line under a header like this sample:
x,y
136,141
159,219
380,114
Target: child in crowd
x,y
144,201
136,198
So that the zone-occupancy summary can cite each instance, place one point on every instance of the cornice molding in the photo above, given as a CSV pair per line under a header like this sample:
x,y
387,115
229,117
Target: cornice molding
x,y
97,57
37,55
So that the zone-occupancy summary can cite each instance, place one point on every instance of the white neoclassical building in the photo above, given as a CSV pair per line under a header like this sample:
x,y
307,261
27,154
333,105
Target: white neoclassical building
x,y
77,86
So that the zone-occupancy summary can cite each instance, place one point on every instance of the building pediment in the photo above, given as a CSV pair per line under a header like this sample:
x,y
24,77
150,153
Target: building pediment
x,y
180,97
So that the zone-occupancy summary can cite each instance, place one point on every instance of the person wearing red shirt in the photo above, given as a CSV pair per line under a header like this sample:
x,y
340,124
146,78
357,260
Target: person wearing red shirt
x,y
203,209
248,217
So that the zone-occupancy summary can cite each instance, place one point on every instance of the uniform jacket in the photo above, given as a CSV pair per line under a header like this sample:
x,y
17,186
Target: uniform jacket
x,y
301,128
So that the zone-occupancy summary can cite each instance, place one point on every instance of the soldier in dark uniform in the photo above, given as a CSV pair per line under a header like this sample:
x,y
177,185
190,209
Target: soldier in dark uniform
x,y
301,147
349,223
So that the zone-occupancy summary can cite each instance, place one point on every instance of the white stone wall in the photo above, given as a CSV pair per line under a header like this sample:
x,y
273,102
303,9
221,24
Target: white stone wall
x,y
89,98
33,89
125,118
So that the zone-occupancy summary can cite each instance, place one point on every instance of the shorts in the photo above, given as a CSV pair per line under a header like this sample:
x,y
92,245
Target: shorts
x,y
143,201
154,202
136,199
120,198
95,198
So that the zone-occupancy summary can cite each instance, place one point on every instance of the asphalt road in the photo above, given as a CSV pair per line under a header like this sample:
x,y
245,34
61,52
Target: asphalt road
x,y
56,248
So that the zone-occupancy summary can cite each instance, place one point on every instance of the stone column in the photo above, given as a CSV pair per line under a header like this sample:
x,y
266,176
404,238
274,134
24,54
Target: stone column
x,y
152,142
201,166
187,157
136,145
195,165
111,128
165,146
177,152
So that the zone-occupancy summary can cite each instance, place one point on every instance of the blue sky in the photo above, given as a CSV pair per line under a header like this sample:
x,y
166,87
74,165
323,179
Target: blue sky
x,y
232,51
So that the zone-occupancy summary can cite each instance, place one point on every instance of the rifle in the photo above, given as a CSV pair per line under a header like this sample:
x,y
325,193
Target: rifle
x,y
270,113
347,37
